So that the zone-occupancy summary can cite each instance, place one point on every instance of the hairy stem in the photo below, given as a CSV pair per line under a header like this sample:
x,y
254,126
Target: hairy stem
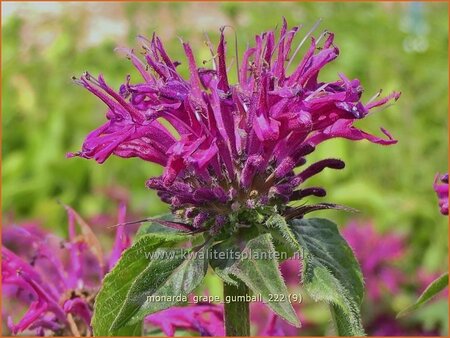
x,y
237,312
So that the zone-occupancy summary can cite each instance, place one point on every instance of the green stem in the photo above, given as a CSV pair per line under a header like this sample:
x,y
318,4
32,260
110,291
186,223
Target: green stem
x,y
237,312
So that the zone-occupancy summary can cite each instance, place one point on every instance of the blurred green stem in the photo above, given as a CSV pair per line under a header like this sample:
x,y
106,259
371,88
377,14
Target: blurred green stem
x,y
237,312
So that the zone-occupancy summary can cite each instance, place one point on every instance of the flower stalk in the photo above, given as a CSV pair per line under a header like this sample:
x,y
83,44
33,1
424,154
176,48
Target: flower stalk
x,y
237,310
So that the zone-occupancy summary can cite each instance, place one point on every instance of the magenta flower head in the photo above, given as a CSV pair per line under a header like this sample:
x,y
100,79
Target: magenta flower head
x,y
441,188
230,148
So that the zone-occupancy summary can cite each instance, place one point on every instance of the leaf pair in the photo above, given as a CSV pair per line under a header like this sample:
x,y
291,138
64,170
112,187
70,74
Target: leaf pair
x,y
154,267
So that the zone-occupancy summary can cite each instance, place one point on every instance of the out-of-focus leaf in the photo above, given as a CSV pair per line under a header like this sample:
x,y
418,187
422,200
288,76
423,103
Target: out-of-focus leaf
x,y
430,292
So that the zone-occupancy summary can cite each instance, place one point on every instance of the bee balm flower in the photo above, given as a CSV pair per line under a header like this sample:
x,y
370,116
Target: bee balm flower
x,y
56,280
442,192
236,145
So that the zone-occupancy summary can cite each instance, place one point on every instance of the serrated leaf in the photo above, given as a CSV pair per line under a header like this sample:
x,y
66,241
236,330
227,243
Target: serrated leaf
x,y
430,292
116,283
281,231
176,273
222,260
331,272
258,268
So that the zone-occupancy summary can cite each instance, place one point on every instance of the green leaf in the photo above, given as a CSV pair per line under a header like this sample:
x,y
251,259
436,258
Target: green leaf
x,y
282,234
117,282
431,291
222,260
169,278
331,273
254,262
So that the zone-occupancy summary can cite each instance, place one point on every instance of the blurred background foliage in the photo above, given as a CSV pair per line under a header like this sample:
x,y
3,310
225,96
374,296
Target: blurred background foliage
x,y
394,46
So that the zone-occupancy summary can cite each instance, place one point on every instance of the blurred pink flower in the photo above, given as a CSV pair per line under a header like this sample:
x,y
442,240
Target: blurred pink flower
x,y
386,325
441,188
376,254
54,279
205,319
